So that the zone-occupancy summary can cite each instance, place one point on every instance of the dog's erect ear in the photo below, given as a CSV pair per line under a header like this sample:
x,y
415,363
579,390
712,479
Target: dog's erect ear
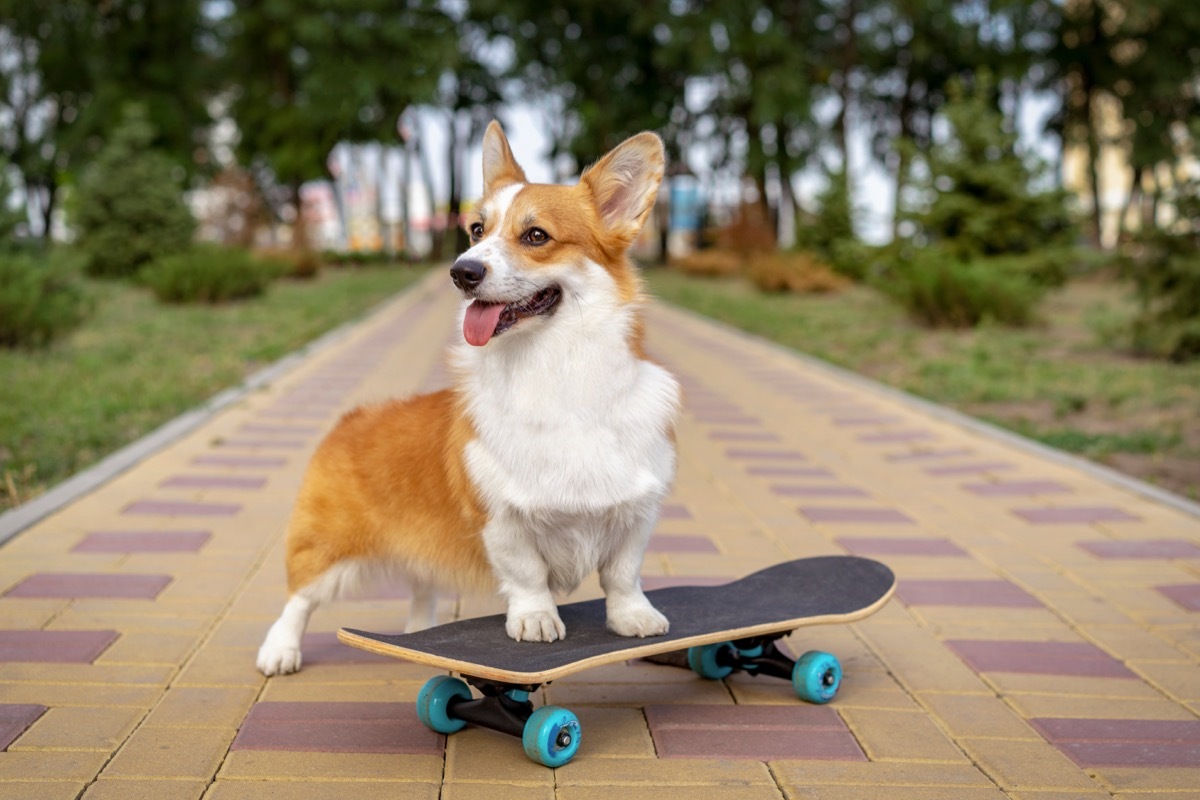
x,y
625,182
499,166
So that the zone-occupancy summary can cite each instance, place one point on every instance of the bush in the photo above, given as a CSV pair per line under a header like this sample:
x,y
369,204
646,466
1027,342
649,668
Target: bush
x,y
793,272
292,262
712,263
209,274
939,290
130,209
40,299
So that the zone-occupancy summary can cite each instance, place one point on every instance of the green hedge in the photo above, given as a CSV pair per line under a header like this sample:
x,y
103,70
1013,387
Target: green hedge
x,y
209,274
939,290
41,298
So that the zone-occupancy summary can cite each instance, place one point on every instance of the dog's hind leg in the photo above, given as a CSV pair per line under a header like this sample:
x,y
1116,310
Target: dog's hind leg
x,y
422,611
280,651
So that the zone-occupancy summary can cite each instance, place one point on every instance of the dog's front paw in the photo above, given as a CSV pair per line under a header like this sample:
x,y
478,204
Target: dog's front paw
x,y
535,626
276,658
638,620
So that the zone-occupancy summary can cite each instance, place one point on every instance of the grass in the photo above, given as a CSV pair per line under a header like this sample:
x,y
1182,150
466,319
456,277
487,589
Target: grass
x,y
1062,381
137,363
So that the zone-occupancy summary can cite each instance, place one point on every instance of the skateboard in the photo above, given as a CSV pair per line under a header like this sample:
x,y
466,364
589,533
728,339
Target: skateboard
x,y
715,631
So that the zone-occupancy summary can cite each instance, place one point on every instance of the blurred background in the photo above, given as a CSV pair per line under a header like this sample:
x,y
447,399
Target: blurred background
x,y
993,203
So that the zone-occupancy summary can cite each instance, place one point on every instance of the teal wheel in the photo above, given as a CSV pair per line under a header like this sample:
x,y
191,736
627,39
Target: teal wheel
x,y
817,676
703,661
434,700
551,736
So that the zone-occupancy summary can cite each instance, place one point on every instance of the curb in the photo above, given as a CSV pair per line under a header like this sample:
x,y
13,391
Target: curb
x,y
82,483
946,414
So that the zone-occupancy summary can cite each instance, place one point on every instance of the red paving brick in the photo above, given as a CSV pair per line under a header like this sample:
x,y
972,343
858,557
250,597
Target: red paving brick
x,y
1185,595
1038,658
675,511
687,543
896,436
951,592
142,542
1073,515
320,727
15,718
753,454
1124,742
213,482
973,467
771,471
1016,488
171,508
819,490
876,546
742,436
876,516
1157,548
97,584
253,462
930,455
64,647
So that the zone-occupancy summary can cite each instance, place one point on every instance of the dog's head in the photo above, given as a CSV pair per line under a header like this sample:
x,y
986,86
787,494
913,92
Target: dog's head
x,y
534,245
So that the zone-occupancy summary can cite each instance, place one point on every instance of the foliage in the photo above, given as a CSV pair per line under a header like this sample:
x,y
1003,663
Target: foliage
x,y
210,274
712,262
939,289
792,272
830,230
136,363
982,201
72,66
1165,266
130,205
41,298
291,262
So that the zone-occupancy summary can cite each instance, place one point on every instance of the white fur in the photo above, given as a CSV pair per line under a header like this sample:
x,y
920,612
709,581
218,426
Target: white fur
x,y
573,456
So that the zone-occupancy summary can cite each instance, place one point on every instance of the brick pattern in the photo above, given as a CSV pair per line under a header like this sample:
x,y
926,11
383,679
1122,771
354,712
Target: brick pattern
x,y
1042,642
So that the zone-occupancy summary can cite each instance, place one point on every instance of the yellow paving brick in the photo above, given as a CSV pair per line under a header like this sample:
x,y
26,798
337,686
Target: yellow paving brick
x,y
796,775
222,666
615,732
1059,705
480,755
145,790
325,790
175,753
978,716
1079,794
74,727
1029,620
1178,680
51,765
41,790
155,674
80,694
192,706
1026,764
895,793
684,772
260,765
666,791
150,648
900,736
1127,642
1149,779
29,614
496,791
919,661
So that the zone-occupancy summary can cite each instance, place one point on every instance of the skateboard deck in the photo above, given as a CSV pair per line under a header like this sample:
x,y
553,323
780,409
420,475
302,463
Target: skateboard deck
x,y
795,594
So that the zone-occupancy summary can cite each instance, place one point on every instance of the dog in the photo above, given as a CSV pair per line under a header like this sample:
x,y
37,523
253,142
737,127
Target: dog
x,y
550,456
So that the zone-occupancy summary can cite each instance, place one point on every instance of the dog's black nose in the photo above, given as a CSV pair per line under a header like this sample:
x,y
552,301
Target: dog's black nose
x,y
467,274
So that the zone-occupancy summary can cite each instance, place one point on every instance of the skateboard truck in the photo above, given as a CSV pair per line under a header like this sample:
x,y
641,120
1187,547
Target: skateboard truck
x,y
815,676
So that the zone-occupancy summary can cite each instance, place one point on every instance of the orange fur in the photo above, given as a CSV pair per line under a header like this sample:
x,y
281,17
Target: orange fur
x,y
389,483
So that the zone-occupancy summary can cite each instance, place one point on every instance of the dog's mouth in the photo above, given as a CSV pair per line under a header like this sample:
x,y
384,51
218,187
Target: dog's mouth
x,y
485,320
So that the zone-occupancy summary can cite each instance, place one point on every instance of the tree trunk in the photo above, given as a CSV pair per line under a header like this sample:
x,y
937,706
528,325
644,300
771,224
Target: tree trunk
x,y
1093,153
901,175
300,226
1134,192
845,92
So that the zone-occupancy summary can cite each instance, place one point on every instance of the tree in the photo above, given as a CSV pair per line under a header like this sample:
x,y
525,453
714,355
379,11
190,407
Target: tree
x,y
983,201
130,204
306,74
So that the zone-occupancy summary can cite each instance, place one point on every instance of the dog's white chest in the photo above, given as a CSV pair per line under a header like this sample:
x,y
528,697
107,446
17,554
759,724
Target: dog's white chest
x,y
580,440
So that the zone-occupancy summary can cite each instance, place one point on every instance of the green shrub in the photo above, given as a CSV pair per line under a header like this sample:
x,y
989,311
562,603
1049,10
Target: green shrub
x,y
939,290
209,274
41,298
130,209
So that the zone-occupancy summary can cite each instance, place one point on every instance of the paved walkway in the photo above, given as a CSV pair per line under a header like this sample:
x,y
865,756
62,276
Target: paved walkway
x,y
1044,642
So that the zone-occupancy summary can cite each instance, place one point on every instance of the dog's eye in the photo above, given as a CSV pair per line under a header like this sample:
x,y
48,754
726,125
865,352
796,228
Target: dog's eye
x,y
535,236
477,230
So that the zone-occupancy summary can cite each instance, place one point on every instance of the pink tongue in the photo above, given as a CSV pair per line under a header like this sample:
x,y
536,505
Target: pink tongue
x,y
480,322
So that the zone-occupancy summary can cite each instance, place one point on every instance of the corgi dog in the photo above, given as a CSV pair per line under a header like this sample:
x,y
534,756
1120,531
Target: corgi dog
x,y
548,458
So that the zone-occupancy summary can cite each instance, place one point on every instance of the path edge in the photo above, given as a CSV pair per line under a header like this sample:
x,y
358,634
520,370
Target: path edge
x,y
954,417
24,516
